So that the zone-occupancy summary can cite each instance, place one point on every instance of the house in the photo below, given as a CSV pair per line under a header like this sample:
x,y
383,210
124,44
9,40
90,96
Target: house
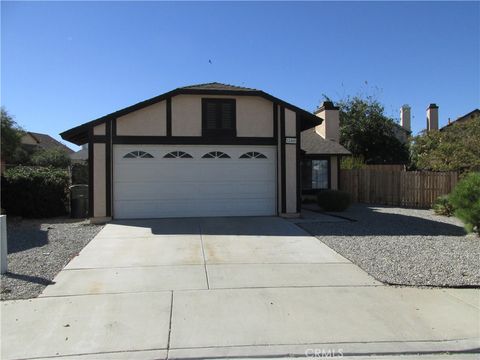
x,y
462,119
37,141
208,150
80,156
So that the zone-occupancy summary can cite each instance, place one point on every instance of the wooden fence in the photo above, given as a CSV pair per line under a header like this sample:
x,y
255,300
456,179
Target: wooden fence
x,y
417,189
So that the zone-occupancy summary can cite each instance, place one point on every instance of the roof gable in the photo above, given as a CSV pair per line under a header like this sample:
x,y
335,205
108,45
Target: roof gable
x,y
79,134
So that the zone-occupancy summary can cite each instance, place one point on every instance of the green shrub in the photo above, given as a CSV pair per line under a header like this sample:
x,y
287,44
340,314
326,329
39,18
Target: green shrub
x,y
352,162
443,206
333,200
35,192
56,157
466,200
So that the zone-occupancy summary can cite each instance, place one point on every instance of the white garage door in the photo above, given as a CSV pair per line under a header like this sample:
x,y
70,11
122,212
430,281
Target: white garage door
x,y
153,181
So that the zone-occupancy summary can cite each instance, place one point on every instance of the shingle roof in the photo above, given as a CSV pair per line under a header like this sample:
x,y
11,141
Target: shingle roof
x,y
217,86
45,141
312,143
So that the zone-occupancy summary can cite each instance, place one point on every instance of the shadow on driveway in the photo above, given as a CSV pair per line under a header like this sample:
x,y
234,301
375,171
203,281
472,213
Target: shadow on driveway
x,y
242,226
369,221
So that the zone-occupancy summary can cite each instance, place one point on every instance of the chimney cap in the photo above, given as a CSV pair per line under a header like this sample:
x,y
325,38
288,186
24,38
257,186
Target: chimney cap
x,y
406,106
327,105
432,106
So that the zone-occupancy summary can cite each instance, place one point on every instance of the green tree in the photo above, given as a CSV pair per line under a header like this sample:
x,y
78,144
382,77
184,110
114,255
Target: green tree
x,y
56,157
456,148
10,137
368,133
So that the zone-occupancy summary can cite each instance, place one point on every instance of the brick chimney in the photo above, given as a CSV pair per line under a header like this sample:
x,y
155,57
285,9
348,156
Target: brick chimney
x,y
405,117
330,126
432,117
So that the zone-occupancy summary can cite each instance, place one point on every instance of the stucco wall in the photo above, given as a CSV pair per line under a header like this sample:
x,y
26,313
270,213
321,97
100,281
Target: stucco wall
x,y
149,121
330,126
291,178
99,180
290,123
254,115
99,130
187,115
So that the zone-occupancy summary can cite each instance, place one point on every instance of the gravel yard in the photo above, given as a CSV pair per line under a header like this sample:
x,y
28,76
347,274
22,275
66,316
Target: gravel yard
x,y
38,249
404,246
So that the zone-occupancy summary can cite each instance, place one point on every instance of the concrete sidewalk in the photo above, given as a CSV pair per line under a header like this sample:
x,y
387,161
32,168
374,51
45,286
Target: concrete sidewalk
x,y
228,287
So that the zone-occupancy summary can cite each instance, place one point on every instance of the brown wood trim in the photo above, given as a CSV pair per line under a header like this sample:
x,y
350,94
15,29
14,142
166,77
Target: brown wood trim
x,y
108,170
90,173
282,159
169,116
192,140
299,165
100,138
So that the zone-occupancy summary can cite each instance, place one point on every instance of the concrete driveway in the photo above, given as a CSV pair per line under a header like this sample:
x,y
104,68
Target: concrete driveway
x,y
227,287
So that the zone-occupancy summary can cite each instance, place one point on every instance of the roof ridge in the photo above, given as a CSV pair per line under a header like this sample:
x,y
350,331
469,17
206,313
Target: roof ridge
x,y
201,84
220,84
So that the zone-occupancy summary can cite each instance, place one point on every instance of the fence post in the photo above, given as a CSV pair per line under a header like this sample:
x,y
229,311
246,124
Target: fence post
x,y
3,241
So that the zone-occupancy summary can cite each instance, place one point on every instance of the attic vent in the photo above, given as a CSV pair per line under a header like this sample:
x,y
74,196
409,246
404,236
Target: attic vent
x,y
138,155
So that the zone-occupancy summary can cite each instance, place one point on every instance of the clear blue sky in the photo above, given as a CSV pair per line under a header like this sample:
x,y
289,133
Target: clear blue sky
x,y
67,63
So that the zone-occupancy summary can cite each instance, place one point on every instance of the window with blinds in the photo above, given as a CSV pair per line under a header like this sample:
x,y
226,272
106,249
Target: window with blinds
x,y
218,117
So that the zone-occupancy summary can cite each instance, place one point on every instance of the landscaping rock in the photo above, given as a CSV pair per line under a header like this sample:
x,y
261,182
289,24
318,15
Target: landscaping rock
x,y
404,246
38,249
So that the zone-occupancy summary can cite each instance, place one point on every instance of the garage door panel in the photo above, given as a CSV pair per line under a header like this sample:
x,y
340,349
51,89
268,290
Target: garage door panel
x,y
192,171
166,187
191,208
164,191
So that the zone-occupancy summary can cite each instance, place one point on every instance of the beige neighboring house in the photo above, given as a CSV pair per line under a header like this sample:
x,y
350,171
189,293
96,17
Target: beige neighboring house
x,y
208,150
43,141
474,114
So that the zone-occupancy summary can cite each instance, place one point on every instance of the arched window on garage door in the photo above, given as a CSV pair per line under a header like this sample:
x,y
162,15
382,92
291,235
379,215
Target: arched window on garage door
x,y
138,155
178,155
253,155
216,155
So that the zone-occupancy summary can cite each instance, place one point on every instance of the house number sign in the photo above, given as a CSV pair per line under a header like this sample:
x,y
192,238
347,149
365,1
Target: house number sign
x,y
290,140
